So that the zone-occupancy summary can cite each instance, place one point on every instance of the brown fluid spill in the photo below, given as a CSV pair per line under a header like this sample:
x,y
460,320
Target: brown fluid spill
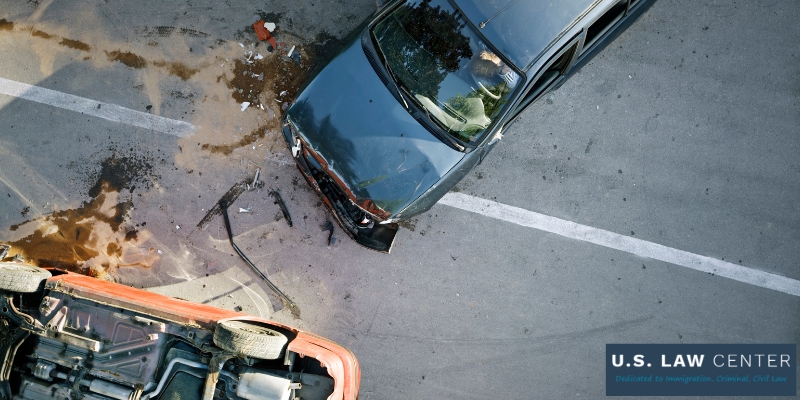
x,y
6,25
75,44
127,58
227,149
117,173
43,35
89,239
221,77
177,69
98,235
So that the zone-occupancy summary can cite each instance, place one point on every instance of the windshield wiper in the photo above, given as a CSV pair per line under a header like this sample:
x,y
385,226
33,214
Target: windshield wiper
x,y
439,131
382,55
394,80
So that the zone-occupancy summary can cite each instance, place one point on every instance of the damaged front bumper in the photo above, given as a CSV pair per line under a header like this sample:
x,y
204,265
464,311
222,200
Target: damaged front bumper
x,y
363,226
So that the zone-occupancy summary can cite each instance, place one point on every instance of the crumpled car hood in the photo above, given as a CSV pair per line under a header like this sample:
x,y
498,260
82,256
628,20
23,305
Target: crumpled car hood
x,y
367,138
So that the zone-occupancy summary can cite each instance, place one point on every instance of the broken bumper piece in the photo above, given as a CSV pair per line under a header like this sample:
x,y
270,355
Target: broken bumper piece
x,y
360,225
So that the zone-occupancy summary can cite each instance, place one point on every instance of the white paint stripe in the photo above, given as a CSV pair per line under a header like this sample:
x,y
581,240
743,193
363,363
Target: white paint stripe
x,y
107,111
619,242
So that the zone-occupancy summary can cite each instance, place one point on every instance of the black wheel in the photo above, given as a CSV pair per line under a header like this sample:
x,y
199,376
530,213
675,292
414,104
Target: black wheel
x,y
249,340
21,278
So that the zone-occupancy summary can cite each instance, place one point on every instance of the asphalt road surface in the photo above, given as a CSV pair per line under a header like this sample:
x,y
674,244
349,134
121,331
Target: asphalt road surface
x,y
654,198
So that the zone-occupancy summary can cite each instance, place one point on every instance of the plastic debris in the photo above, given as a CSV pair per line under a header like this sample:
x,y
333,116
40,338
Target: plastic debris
x,y
245,105
262,32
241,45
289,54
213,266
328,227
261,76
276,194
270,26
283,93
247,209
255,180
258,56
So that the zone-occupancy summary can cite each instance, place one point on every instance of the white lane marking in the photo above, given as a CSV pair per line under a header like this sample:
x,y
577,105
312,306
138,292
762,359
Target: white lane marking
x,y
619,242
107,111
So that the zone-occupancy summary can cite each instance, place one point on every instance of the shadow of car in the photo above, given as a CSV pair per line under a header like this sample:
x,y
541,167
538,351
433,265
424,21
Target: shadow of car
x,y
69,336
423,90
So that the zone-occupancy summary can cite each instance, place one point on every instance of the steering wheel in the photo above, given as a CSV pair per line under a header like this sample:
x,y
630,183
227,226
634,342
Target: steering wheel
x,y
486,91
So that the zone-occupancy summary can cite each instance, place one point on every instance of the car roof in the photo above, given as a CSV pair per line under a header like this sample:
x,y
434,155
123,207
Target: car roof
x,y
525,28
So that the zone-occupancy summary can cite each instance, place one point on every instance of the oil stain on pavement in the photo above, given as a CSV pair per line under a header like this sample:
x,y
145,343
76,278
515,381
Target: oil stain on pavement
x,y
98,236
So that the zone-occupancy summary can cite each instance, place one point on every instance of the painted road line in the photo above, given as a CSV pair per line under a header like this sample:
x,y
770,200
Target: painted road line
x,y
619,242
107,111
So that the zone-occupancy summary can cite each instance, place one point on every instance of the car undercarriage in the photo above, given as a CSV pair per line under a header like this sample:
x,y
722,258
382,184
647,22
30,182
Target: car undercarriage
x,y
64,341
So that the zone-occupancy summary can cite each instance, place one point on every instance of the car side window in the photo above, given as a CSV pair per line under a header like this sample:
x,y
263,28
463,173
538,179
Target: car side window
x,y
553,70
606,21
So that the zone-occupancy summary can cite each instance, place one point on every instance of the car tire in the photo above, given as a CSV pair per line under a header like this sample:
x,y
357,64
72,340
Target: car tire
x,y
21,278
249,339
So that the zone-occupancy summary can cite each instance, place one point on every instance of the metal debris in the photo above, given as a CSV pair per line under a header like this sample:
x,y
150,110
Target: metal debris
x,y
229,197
224,207
276,194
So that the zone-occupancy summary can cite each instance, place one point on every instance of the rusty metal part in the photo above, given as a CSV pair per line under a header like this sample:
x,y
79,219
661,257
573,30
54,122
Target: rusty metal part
x,y
215,365
224,207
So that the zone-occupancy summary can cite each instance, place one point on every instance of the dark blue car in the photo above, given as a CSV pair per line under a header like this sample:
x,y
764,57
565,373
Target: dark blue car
x,y
424,89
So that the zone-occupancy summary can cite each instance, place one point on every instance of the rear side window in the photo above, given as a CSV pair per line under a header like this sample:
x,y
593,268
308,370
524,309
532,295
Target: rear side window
x,y
604,23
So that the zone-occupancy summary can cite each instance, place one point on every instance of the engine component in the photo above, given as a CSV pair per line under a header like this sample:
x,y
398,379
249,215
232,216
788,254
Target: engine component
x,y
42,370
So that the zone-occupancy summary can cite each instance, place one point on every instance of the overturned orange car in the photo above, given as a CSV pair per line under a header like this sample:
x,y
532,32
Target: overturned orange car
x,y
69,336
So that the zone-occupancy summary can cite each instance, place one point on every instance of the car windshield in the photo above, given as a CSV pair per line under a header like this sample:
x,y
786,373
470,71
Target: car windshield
x,y
440,61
